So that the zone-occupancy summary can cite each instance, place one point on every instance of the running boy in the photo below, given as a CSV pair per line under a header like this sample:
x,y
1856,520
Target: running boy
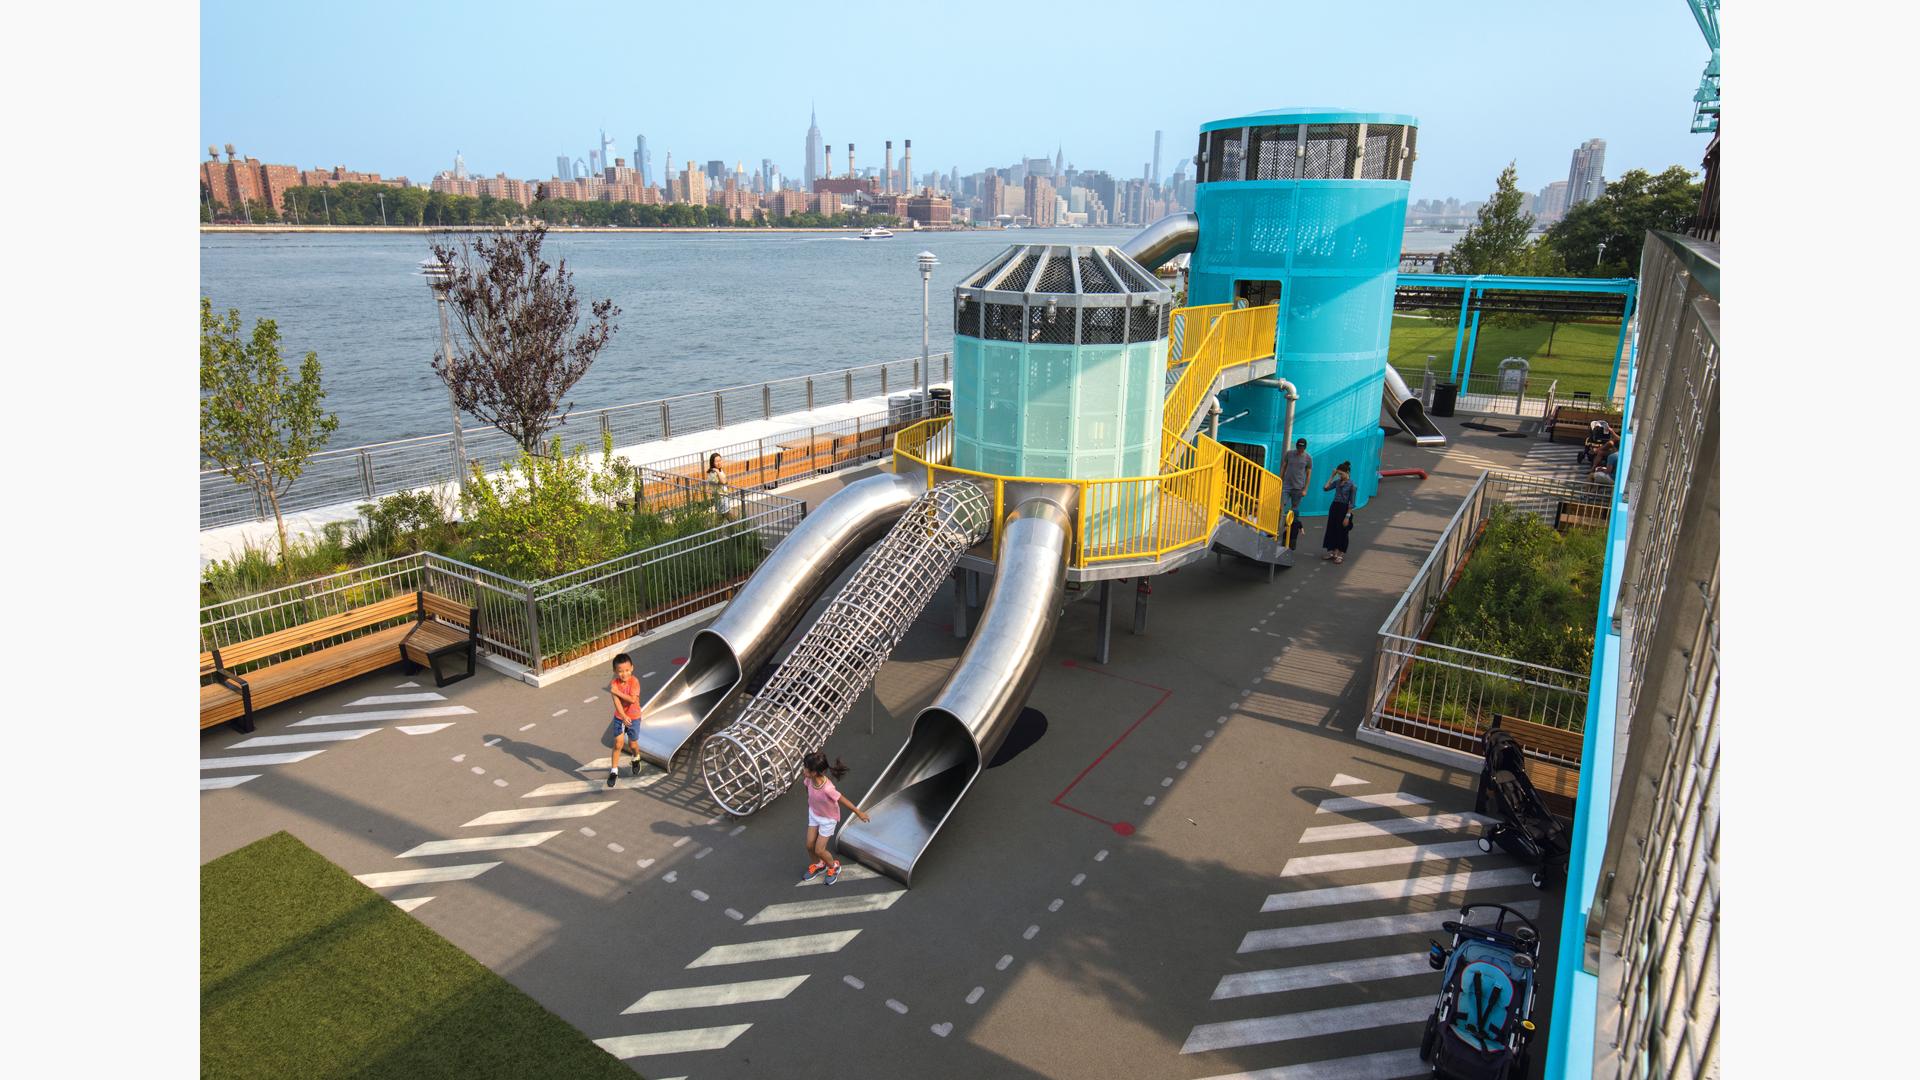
x,y
823,811
626,713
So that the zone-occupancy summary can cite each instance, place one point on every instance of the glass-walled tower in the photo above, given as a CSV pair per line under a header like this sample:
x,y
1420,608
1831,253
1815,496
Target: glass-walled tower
x,y
1305,207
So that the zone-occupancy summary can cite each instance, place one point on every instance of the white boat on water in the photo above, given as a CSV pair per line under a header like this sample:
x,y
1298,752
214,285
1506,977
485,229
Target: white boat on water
x,y
877,233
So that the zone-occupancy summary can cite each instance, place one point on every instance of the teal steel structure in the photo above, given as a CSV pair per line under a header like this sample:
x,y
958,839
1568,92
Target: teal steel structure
x,y
1467,334
1304,207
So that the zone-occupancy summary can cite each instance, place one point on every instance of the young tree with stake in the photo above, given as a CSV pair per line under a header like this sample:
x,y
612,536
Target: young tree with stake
x,y
256,424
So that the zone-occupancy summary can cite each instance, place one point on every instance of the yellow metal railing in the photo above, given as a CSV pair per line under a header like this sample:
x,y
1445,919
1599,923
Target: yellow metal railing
x,y
1187,327
1235,337
1133,517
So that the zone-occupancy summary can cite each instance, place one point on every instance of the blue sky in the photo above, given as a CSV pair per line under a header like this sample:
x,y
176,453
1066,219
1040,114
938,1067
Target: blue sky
x,y
972,84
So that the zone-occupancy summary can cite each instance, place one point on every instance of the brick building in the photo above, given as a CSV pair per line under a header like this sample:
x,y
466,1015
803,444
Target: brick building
x,y
1041,203
846,185
783,203
339,174
930,210
229,183
826,202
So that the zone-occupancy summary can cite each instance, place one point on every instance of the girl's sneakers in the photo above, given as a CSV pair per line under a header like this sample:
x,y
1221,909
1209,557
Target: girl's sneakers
x,y
813,871
833,873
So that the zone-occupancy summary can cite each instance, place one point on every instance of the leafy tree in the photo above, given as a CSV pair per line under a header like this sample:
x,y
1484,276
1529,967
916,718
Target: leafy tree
x,y
1498,242
540,516
256,425
521,347
1603,237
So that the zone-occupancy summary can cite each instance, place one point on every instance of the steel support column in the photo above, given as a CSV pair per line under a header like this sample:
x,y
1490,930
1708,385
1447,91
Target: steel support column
x,y
960,603
1103,630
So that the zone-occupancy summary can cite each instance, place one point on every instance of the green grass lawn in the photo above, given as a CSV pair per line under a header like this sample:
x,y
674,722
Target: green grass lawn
x,y
305,972
1582,352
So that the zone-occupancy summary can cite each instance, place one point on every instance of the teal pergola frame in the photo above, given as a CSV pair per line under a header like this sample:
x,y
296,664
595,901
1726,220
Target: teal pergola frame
x,y
1467,335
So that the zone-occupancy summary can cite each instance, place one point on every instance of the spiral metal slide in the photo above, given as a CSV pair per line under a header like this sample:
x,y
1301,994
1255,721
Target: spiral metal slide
x,y
954,737
725,655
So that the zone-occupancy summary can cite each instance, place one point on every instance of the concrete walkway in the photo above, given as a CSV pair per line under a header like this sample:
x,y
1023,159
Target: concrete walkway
x,y
1193,870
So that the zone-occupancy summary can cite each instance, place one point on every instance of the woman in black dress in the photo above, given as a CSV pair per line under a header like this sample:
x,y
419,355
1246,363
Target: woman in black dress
x,y
1340,514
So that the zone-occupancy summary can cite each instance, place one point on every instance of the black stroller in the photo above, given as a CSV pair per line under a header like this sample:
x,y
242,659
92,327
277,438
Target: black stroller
x,y
1483,1022
1526,829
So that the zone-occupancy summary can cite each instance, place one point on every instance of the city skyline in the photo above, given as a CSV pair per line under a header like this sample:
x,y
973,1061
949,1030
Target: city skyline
x,y
256,92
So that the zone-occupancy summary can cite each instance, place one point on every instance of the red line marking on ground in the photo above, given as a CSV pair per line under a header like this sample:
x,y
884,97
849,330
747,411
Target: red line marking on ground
x,y
1124,828
678,660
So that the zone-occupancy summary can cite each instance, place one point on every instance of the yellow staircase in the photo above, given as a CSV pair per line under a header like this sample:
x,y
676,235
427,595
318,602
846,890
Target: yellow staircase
x,y
1209,340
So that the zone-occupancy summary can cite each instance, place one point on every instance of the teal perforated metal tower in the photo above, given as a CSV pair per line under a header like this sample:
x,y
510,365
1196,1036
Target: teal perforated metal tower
x,y
1305,207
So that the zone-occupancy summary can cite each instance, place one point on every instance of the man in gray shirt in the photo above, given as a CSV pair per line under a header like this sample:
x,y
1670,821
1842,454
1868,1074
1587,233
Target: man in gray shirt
x,y
1296,471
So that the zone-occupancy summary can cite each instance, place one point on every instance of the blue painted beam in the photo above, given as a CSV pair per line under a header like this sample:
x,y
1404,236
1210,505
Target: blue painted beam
x,y
1620,346
1621,286
1453,371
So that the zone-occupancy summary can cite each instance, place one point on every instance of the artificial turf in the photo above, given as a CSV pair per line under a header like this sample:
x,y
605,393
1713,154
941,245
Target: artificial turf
x,y
305,972
1582,352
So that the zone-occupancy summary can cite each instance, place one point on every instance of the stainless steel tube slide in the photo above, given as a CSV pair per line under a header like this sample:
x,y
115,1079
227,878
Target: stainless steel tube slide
x,y
954,737
759,619
1403,407
1175,234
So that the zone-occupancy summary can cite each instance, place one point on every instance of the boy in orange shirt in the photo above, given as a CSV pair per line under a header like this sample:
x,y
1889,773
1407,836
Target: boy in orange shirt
x,y
625,689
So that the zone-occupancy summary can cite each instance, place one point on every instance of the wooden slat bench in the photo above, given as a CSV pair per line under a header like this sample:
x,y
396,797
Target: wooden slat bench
x,y
434,632
1557,779
1573,422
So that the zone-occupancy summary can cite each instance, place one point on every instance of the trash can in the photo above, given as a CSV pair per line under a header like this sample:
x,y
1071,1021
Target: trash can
x,y
1444,395
942,400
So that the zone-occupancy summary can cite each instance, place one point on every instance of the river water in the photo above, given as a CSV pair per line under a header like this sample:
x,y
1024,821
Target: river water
x,y
698,310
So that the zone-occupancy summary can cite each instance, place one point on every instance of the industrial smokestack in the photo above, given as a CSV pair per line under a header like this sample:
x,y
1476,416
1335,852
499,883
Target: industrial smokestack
x,y
850,172
829,161
906,166
888,162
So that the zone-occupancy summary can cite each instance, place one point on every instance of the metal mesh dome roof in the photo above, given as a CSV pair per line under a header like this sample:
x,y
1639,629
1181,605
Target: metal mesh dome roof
x,y
1082,270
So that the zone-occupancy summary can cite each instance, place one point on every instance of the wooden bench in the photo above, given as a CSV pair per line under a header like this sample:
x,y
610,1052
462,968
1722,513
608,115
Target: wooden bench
x,y
1574,421
1557,777
434,631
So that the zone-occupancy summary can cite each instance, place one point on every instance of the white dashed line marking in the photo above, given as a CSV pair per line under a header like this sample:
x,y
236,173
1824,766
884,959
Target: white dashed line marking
x,y
682,842
495,741
897,1006
1209,733
615,848
853,982
1194,749
644,863
562,712
975,994
591,700
670,876
943,1029
1181,766
1030,931
586,832
1077,879
1166,781
478,771
1055,906
1003,963
499,783
1100,856
526,726
459,758
732,914
1150,800
700,896
737,830
703,853
648,675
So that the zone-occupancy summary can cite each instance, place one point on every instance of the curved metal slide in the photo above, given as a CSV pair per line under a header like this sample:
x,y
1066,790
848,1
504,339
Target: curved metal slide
x,y
758,620
954,737
1177,234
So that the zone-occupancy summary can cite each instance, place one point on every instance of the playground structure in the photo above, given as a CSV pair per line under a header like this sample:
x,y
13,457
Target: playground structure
x,y
1085,446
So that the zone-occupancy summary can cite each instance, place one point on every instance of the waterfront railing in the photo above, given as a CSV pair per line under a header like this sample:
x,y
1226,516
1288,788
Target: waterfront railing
x,y
364,473
1449,696
541,625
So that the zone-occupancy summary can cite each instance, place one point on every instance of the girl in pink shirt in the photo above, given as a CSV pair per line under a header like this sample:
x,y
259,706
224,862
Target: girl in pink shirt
x,y
823,811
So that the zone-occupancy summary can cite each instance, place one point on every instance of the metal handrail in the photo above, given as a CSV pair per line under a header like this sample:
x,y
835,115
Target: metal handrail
x,y
1234,337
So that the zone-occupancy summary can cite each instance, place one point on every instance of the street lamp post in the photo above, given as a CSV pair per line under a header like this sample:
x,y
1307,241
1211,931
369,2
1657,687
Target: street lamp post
x,y
927,263
440,278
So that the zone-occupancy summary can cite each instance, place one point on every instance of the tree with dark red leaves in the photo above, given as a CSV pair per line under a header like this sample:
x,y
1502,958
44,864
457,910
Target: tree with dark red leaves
x,y
521,347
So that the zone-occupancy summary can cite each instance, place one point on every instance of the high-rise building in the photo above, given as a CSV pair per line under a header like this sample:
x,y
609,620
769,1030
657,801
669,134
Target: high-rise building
x,y
716,173
816,161
1586,176
1551,204
595,164
993,196
563,167
1041,202
1155,175
642,160
606,150
1059,159
459,166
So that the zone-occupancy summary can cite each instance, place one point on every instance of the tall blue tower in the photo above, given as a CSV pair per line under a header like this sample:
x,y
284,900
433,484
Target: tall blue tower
x,y
1305,207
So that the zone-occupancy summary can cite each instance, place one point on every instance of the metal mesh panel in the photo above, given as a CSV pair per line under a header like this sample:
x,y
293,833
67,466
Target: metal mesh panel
x,y
1143,322
1275,153
1016,278
1134,280
1004,323
1056,275
1406,158
986,273
1223,159
966,316
1050,326
1094,277
754,760
1379,147
1329,148
1103,325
